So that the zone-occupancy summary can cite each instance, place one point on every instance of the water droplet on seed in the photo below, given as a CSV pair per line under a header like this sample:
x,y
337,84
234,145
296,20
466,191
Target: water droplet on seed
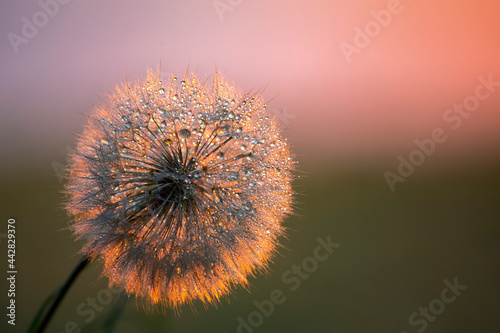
x,y
185,133
224,131
233,176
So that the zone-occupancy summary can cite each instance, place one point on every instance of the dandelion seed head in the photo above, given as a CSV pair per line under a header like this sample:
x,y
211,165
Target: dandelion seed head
x,y
180,188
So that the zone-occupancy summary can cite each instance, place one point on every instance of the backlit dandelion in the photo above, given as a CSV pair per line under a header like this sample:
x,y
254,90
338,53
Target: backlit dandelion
x,y
181,188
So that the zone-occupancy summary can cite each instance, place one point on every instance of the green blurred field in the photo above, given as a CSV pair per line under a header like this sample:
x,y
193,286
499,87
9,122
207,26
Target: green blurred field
x,y
396,250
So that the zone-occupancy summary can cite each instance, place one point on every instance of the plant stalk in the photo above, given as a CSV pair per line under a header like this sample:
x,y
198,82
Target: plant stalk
x,y
39,324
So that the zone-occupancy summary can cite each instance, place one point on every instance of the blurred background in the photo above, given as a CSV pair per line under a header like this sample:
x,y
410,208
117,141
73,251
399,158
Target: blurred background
x,y
354,84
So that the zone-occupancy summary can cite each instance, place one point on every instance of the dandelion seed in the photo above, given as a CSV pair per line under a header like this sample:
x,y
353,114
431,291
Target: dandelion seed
x,y
177,189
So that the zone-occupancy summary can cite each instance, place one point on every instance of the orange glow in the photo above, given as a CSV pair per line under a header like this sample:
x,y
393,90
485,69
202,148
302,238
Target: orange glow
x,y
180,188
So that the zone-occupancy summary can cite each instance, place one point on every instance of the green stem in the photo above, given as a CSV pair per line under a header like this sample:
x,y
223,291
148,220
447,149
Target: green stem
x,y
38,325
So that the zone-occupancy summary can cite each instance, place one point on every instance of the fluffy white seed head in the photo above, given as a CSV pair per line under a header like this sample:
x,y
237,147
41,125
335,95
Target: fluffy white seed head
x,y
180,188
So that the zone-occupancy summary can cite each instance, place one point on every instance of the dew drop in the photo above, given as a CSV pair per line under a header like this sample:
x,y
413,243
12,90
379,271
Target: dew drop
x,y
220,155
224,130
247,206
167,142
233,176
230,115
185,133
161,91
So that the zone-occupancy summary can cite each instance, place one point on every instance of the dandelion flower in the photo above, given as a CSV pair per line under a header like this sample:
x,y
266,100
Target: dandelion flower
x,y
180,188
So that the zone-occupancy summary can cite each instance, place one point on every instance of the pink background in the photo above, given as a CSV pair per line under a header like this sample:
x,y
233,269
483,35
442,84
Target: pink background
x,y
367,111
